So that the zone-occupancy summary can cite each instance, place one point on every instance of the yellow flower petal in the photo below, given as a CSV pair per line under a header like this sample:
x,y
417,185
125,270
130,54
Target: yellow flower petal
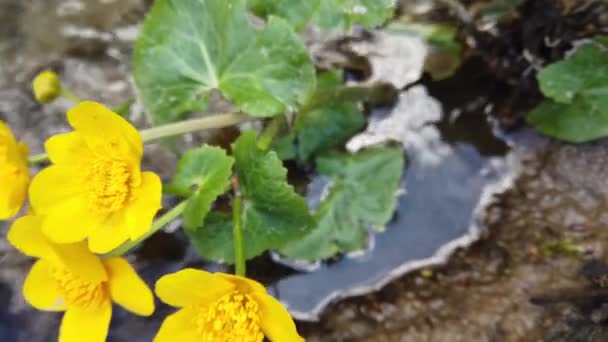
x,y
66,148
39,289
68,222
190,287
12,151
113,233
128,289
26,235
141,212
14,173
178,327
105,130
275,321
244,285
77,258
96,189
53,186
5,132
12,195
90,325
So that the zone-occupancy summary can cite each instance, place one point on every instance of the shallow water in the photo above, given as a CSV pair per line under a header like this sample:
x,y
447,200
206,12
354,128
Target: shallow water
x,y
454,161
443,193
483,293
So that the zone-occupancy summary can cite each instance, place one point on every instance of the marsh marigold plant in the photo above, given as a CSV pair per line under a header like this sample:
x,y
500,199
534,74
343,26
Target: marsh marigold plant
x,y
94,188
68,277
14,175
220,307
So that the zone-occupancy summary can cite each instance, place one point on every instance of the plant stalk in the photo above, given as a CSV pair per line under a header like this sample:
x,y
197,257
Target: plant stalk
x,y
37,159
265,140
69,95
173,129
237,231
158,224
193,125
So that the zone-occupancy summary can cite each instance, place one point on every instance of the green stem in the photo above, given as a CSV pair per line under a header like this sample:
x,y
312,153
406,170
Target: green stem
x,y
269,133
37,159
193,125
173,129
70,95
158,224
239,257
123,108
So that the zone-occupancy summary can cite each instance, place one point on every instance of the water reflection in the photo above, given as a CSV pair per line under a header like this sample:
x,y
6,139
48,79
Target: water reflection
x,y
445,186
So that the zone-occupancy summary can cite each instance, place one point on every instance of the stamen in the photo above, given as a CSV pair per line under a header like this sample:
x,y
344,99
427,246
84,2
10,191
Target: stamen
x,y
77,291
234,317
109,185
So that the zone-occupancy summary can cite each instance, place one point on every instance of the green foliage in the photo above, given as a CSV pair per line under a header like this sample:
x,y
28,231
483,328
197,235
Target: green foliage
x,y
362,194
203,174
577,110
324,127
327,127
342,14
187,48
495,10
273,213
297,13
603,40
335,15
445,55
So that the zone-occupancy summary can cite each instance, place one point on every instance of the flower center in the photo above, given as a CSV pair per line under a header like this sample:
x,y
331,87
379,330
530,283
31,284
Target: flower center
x,y
77,291
234,317
109,185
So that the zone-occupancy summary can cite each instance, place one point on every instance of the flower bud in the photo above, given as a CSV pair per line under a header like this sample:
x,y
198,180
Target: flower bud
x,y
46,86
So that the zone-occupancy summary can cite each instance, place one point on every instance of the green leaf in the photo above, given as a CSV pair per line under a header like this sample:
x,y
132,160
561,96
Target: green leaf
x,y
342,14
334,15
363,193
578,87
582,120
327,127
285,147
187,48
273,213
581,74
297,13
603,40
322,128
203,174
214,240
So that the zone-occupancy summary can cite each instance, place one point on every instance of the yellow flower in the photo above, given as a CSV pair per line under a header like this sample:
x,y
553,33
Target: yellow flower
x,y
46,86
14,175
70,278
220,308
95,188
